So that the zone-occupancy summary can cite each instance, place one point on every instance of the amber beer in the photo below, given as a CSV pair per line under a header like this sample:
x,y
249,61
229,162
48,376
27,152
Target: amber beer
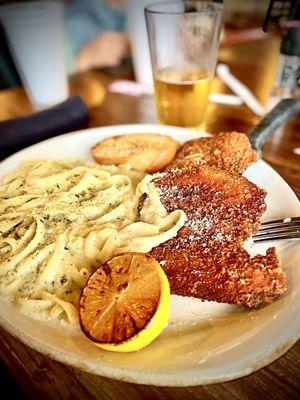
x,y
184,39
182,98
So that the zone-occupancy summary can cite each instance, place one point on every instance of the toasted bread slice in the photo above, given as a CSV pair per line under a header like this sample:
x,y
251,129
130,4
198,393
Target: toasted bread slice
x,y
145,152
207,259
230,151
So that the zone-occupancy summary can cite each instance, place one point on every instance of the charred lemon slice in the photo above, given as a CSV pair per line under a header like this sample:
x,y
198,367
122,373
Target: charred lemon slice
x,y
126,302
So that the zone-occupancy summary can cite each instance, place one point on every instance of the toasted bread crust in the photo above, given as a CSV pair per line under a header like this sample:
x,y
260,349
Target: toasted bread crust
x,y
230,151
207,259
145,152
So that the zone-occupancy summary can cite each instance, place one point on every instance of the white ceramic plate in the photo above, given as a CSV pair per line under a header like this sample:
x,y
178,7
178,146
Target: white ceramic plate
x,y
204,342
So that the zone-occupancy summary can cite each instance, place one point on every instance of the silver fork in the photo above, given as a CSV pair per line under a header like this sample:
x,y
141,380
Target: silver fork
x,y
271,231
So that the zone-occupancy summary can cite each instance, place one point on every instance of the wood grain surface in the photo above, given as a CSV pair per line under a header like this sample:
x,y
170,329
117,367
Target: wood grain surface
x,y
28,374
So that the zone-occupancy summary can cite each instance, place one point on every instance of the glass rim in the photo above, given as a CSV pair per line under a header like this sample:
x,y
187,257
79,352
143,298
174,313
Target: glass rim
x,y
150,9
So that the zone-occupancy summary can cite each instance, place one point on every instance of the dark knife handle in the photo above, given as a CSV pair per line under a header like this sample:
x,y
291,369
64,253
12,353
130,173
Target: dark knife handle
x,y
21,132
280,114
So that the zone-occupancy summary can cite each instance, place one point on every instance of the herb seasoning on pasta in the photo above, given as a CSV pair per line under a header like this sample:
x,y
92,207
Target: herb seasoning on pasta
x,y
59,220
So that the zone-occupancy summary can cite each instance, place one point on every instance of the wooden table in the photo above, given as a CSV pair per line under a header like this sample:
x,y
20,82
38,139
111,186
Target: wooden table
x,y
39,377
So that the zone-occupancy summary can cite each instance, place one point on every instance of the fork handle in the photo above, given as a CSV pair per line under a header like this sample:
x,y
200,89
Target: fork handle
x,y
280,114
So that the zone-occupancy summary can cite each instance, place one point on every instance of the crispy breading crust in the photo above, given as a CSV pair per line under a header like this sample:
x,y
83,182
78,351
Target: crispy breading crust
x,y
230,151
206,259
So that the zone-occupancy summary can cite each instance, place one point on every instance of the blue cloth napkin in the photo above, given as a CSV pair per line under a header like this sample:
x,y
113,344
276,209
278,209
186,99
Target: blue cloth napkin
x,y
19,133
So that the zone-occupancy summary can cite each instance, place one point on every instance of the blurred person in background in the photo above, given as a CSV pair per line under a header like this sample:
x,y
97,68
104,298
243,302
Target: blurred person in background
x,y
96,34
95,38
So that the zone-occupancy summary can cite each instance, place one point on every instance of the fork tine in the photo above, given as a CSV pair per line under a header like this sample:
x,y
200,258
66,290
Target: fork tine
x,y
269,224
279,229
272,237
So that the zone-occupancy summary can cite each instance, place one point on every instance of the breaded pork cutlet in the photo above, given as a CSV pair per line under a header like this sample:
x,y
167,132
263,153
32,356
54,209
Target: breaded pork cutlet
x,y
230,151
207,259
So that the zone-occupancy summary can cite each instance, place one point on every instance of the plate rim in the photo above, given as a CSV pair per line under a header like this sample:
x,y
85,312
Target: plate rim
x,y
172,379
